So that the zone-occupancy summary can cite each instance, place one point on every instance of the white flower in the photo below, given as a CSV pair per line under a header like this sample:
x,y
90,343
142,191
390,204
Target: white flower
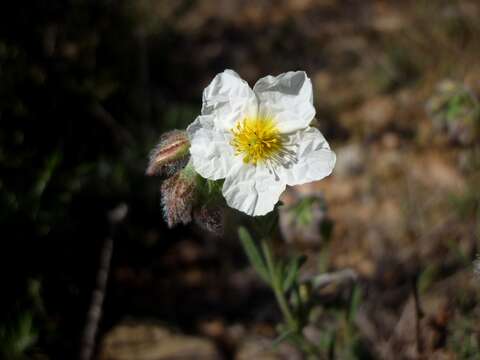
x,y
258,140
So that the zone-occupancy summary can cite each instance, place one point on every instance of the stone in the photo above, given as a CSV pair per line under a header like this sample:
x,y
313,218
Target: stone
x,y
149,341
350,160
261,348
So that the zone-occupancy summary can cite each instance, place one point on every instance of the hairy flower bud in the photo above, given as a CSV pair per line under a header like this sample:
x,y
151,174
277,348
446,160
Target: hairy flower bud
x,y
170,155
179,194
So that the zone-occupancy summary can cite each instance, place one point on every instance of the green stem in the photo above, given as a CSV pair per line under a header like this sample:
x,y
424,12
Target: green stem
x,y
277,288
292,323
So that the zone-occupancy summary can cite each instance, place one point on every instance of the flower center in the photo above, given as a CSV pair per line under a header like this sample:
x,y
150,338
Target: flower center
x,y
257,140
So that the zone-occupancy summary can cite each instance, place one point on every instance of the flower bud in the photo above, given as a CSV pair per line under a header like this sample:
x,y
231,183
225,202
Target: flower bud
x,y
170,155
179,194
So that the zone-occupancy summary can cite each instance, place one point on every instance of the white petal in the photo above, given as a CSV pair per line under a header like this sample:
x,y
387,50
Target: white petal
x,y
228,99
288,98
252,189
211,153
315,160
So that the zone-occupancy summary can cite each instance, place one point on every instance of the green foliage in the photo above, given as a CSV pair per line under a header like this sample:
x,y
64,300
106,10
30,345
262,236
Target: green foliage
x,y
340,339
281,276
460,105
464,340
309,214
455,109
427,278
296,302
18,337
292,269
355,302
285,335
256,259
303,211
324,259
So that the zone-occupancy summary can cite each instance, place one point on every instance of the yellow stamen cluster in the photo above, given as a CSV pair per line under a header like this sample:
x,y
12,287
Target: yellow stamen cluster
x,y
257,140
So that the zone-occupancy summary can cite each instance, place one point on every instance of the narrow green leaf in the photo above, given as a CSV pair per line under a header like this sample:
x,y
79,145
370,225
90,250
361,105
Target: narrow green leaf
x,y
253,254
282,337
45,176
355,301
292,271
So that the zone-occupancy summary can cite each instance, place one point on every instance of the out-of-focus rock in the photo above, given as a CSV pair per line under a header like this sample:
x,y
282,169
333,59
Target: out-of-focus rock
x,y
212,328
322,81
418,332
455,111
313,334
184,252
371,117
431,168
341,190
390,141
145,341
350,160
387,18
260,348
234,334
304,220
377,113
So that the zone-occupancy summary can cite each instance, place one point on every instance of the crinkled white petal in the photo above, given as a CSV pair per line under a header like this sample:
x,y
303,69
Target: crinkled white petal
x,y
211,153
252,189
315,160
288,98
228,99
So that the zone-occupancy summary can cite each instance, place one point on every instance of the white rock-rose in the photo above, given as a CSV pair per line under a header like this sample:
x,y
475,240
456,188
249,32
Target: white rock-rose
x,y
258,140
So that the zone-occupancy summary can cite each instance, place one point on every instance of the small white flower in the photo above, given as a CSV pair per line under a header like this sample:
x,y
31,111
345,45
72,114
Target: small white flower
x,y
258,140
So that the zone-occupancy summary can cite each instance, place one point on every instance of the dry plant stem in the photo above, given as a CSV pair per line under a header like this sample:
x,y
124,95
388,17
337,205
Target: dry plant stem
x,y
115,216
418,315
95,310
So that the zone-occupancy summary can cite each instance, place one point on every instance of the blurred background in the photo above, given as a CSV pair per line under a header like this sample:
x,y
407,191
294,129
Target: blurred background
x,y
87,88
